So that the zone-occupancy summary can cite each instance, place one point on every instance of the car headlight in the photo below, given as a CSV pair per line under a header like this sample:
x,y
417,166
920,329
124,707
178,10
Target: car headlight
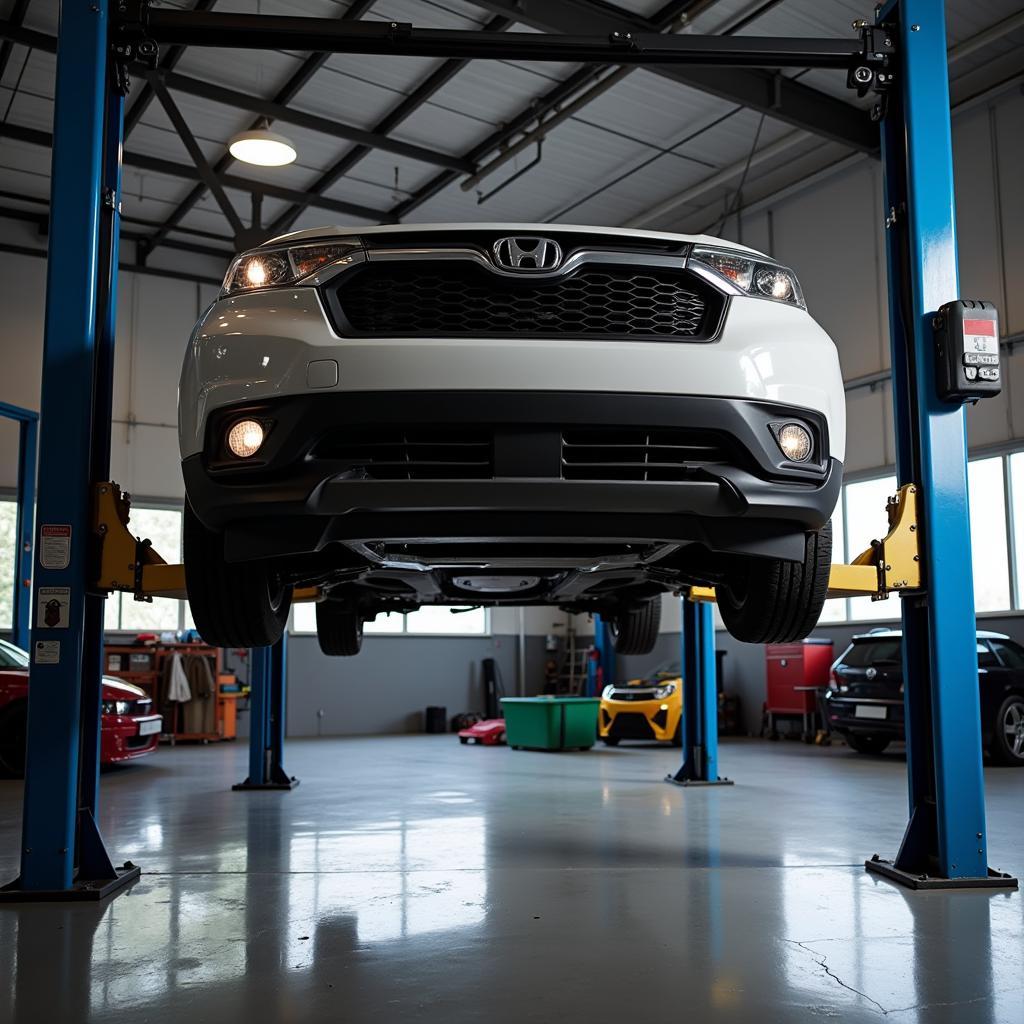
x,y
278,267
606,693
115,707
664,691
753,277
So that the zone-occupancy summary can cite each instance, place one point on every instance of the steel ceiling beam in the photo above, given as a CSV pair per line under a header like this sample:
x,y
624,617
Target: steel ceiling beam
x,y
299,78
438,78
759,89
17,16
281,112
274,109
532,113
172,169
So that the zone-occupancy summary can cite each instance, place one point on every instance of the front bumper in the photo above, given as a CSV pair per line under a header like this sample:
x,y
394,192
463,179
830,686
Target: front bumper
x,y
297,495
122,739
639,720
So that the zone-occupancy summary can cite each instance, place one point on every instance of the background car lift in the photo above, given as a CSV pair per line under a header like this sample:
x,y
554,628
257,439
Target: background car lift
x,y
62,855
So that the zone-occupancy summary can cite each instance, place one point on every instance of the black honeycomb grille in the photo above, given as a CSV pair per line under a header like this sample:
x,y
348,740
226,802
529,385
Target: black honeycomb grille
x,y
433,298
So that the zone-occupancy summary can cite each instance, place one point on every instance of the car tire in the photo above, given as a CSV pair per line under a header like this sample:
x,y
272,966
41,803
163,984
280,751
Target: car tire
x,y
1007,746
770,601
234,604
636,629
610,741
13,729
338,630
867,744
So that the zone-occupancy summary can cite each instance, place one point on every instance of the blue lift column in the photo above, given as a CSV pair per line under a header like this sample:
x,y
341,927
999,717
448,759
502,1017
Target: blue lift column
x,y
24,530
62,853
604,644
945,844
700,699
268,702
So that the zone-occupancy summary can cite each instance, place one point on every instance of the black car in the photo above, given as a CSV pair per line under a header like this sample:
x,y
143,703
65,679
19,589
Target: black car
x,y
864,700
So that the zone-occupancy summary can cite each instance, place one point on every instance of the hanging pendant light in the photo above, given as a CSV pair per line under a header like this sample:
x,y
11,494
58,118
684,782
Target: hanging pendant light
x,y
262,147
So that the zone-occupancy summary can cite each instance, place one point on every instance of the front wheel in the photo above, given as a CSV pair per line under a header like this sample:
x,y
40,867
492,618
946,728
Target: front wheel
x,y
338,630
769,601
867,744
234,604
636,629
1007,747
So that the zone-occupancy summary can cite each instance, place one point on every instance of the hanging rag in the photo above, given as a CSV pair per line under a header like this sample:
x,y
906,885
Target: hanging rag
x,y
177,685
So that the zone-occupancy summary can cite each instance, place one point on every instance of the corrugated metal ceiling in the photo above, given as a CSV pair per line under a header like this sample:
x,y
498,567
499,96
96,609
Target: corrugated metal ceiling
x,y
643,141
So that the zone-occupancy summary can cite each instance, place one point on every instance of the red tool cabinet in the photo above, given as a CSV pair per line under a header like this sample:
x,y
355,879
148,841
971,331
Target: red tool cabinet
x,y
794,674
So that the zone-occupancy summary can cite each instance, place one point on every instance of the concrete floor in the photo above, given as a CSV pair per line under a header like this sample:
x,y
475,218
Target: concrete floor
x,y
411,879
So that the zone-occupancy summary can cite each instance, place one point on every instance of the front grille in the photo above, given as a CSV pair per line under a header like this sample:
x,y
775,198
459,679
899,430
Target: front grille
x,y
630,725
412,453
635,453
426,298
134,742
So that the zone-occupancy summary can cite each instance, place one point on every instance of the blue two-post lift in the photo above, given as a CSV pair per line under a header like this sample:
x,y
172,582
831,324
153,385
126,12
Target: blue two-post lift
x,y
63,855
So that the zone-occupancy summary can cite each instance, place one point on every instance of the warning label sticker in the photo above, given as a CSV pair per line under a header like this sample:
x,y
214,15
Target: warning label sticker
x,y
54,546
53,607
47,652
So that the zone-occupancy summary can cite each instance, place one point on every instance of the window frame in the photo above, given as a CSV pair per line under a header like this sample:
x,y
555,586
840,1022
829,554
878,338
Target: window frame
x,y
404,631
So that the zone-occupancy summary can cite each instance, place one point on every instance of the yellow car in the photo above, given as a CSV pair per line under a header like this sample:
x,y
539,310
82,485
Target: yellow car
x,y
643,709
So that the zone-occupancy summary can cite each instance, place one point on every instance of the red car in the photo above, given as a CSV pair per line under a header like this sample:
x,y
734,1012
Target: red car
x,y
489,733
128,729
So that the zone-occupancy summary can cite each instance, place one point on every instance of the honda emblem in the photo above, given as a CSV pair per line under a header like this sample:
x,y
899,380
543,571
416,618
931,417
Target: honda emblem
x,y
525,252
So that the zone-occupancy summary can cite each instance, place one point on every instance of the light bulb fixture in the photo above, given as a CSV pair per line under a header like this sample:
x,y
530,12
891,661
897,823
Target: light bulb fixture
x,y
263,148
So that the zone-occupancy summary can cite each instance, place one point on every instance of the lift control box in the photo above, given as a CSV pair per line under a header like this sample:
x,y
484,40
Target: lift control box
x,y
967,350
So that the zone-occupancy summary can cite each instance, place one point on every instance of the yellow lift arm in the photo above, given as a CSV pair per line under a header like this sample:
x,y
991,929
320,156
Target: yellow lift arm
x,y
130,564
890,564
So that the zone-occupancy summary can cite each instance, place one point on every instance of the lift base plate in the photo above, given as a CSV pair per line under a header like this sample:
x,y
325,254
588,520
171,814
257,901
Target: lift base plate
x,y
80,891
993,880
246,786
698,782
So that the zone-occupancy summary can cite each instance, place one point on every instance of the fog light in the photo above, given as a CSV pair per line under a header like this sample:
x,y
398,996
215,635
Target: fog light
x,y
795,442
245,438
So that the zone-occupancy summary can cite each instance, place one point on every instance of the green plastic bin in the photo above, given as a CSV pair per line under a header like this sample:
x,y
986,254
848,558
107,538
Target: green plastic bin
x,y
550,723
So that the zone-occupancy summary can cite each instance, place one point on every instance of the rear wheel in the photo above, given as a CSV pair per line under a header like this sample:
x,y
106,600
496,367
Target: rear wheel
x,y
338,630
772,601
1007,745
234,604
636,629
867,744
13,726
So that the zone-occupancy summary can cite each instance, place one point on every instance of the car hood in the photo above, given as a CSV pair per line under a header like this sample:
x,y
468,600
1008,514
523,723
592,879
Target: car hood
x,y
412,230
118,689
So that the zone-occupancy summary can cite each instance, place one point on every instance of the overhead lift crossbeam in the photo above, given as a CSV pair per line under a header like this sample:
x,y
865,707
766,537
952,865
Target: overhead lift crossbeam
x,y
62,853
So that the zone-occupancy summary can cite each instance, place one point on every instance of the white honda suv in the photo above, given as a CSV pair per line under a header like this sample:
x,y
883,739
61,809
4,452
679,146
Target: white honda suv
x,y
507,414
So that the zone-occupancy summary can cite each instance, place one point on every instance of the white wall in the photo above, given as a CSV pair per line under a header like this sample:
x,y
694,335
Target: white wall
x,y
155,317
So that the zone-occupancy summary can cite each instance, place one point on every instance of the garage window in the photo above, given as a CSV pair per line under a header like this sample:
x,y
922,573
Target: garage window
x,y
988,535
428,621
8,553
